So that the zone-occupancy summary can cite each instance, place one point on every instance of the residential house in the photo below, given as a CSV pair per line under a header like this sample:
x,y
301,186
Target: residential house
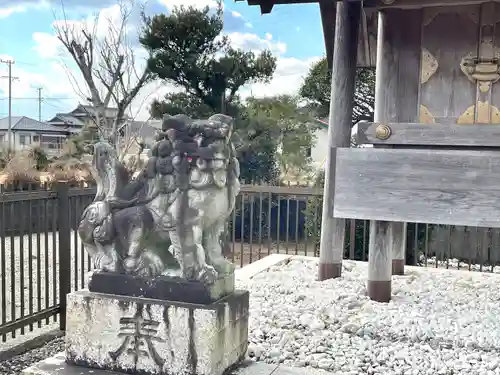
x,y
26,132
65,121
129,131
133,132
82,115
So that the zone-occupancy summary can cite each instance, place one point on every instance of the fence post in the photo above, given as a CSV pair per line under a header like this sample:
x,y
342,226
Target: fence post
x,y
64,241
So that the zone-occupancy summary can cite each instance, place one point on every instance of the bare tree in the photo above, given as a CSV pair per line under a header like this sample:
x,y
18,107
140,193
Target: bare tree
x,y
108,65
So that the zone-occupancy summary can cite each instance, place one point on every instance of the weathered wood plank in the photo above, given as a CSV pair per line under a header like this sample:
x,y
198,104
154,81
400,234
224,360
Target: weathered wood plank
x,y
407,25
474,135
434,186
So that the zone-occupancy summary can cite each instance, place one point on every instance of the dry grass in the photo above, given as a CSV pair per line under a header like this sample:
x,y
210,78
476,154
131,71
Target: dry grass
x,y
20,169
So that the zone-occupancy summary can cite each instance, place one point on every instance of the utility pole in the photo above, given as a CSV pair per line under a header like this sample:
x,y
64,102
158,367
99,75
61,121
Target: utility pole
x,y
39,89
10,78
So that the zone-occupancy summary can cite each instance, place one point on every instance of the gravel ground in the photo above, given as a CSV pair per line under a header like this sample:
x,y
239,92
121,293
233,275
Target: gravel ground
x,y
15,365
42,249
454,263
439,321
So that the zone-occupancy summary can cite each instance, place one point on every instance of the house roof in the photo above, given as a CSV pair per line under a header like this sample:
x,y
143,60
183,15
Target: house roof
x,y
20,123
66,119
88,110
144,129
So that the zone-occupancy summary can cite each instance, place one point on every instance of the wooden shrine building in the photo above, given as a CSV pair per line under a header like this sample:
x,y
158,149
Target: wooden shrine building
x,y
436,135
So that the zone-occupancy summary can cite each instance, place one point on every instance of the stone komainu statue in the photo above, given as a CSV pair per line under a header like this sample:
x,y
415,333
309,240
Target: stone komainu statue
x,y
168,220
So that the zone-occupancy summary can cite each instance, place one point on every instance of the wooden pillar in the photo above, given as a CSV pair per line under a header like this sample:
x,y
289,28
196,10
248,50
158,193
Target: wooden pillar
x,y
348,15
379,261
396,100
398,244
380,246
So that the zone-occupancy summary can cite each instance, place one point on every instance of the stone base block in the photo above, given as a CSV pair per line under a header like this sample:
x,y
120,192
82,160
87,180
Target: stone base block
x,y
162,287
145,336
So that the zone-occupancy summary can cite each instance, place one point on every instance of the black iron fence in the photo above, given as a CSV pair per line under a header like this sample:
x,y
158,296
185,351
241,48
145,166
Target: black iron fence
x,y
42,258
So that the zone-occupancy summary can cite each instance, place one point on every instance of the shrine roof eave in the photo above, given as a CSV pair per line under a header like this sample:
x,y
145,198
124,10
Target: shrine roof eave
x,y
266,6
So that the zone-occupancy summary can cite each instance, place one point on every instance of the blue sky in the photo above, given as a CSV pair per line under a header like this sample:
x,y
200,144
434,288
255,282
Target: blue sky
x,y
293,32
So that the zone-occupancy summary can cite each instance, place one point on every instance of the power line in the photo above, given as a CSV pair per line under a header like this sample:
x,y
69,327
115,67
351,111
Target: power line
x,y
52,105
35,98
26,63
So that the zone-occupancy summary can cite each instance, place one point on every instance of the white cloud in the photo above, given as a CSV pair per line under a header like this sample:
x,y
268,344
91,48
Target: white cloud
x,y
195,3
252,42
20,6
287,78
289,74
236,14
249,25
6,12
107,17
25,81
46,45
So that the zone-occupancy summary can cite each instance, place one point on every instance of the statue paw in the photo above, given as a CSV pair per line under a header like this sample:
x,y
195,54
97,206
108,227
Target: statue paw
x,y
105,262
222,265
189,273
208,274
153,264
171,272
134,266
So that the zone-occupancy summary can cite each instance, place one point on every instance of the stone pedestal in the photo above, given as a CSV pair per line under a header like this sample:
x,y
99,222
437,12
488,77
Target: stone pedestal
x,y
146,336
164,288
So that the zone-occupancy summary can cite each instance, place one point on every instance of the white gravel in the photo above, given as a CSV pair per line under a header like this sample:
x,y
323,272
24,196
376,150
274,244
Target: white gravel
x,y
439,321
454,263
15,365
